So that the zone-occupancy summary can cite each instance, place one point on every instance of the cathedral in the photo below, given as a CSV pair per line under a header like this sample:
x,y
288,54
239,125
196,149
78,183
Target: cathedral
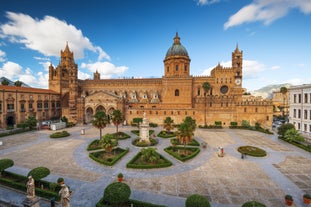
x,y
177,94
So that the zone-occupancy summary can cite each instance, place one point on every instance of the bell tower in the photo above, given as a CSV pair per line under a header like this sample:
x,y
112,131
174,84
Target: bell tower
x,y
237,60
64,80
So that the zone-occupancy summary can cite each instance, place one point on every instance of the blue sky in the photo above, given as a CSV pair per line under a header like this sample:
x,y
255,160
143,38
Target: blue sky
x,y
122,38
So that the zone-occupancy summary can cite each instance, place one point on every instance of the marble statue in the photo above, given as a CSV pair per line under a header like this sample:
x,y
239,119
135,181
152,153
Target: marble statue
x,y
64,196
30,187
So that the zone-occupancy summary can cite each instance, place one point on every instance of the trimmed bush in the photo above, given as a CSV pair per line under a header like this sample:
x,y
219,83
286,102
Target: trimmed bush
x,y
253,204
60,134
117,193
5,163
39,173
196,200
252,151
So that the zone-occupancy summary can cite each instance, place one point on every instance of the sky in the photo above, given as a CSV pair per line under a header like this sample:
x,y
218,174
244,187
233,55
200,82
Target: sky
x,y
130,38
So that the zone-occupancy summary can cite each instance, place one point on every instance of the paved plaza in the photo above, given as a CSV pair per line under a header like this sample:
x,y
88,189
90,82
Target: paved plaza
x,y
227,181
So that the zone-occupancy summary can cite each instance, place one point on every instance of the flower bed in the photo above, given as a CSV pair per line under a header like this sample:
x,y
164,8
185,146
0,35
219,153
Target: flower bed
x,y
252,151
108,158
181,153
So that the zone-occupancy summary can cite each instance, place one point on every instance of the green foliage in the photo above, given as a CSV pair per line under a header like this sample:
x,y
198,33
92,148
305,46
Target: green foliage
x,y
153,124
293,135
283,128
5,82
64,119
165,134
5,163
178,152
245,123
39,173
150,155
18,83
31,121
168,124
253,204
196,200
60,134
22,125
289,197
60,180
252,151
100,121
117,153
137,120
117,193
108,142
121,135
120,175
218,123
117,118
306,195
135,162
143,143
233,123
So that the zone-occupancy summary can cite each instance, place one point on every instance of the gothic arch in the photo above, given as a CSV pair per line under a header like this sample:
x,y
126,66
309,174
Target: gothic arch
x,y
100,107
89,112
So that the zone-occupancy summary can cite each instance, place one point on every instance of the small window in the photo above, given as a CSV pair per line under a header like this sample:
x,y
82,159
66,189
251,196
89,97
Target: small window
x,y
176,92
176,68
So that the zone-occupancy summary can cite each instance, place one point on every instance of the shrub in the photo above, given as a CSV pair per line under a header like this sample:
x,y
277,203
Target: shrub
x,y
60,134
283,128
253,204
137,120
196,200
117,193
233,123
5,163
252,151
218,123
39,173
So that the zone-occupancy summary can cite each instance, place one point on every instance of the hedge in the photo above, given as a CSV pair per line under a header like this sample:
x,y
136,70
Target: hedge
x,y
183,159
94,156
196,200
131,163
60,134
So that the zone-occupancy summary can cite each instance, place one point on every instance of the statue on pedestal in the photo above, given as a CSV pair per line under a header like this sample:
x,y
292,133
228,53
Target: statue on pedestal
x,y
30,187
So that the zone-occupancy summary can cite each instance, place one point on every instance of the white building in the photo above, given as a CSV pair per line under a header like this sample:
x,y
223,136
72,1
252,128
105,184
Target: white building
x,y
300,109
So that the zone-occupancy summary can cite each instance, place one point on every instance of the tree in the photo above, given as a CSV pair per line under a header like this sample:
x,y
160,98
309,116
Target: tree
x,y
168,124
117,119
5,163
117,193
196,200
185,131
283,128
283,90
107,142
100,121
206,87
149,155
5,82
39,173
31,122
18,83
293,135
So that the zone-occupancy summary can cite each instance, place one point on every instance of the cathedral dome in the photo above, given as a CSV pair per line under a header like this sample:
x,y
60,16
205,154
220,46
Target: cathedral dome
x,y
176,48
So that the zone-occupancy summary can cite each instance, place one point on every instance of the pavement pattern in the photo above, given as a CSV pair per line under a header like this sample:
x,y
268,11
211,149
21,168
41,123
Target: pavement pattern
x,y
227,181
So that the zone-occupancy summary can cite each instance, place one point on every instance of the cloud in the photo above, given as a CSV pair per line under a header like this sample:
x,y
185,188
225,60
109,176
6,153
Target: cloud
x,y
205,2
47,35
106,69
2,56
14,72
266,11
275,67
251,68
10,70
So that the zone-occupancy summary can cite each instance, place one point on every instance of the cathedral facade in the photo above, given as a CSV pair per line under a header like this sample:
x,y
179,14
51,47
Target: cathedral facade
x,y
177,94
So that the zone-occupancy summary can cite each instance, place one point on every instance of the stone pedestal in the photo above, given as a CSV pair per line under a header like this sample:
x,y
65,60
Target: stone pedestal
x,y
144,130
31,202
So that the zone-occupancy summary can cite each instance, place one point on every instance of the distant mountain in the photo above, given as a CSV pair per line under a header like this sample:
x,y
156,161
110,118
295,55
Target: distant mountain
x,y
11,83
267,91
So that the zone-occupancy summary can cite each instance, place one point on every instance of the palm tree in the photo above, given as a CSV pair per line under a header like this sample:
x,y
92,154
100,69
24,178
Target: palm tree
x,y
168,124
100,121
206,87
107,142
283,90
185,131
117,119
150,155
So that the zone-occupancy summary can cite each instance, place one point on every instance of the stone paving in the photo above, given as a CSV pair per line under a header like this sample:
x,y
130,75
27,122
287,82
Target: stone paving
x,y
226,181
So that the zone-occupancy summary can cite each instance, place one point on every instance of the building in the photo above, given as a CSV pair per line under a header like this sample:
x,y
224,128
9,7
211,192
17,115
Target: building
x,y
177,94
280,103
17,103
300,108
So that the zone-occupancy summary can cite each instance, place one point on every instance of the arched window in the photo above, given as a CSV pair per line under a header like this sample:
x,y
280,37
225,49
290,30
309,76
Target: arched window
x,y
176,68
176,92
